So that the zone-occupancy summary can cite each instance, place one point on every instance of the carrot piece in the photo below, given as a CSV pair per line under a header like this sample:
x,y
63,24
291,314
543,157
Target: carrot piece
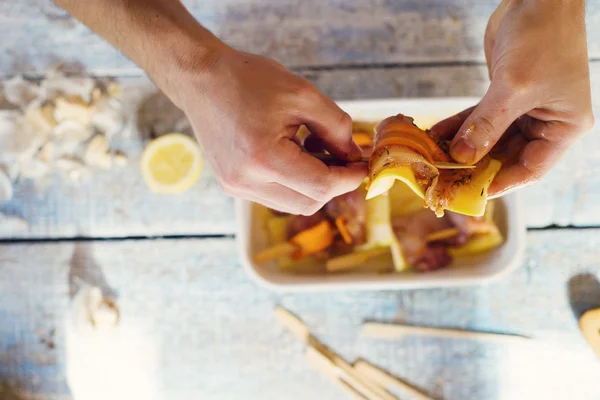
x,y
362,139
313,240
340,223
413,137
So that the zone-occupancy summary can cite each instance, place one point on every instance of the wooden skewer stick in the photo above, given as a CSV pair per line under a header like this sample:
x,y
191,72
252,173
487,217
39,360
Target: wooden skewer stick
x,y
329,363
292,323
344,371
330,158
396,331
447,165
388,381
322,364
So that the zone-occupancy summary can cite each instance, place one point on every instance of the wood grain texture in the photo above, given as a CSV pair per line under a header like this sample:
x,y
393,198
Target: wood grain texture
x,y
118,204
36,33
214,332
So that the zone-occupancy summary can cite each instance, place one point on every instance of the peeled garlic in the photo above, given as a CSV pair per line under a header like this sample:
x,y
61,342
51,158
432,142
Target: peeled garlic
x,y
72,109
96,153
20,92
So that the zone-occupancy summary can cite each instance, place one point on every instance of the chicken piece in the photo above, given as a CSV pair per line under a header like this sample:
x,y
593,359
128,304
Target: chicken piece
x,y
412,230
406,153
469,225
435,257
299,223
351,208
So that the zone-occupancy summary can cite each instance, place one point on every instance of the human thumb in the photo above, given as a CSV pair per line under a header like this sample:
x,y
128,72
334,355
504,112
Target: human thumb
x,y
485,126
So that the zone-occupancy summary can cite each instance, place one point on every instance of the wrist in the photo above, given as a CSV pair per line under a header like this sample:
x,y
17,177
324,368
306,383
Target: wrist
x,y
189,58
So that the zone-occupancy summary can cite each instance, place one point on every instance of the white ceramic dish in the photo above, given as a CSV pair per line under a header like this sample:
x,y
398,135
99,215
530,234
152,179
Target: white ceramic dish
x,y
251,237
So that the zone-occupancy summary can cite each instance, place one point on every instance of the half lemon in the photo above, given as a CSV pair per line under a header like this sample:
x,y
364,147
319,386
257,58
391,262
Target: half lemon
x,y
172,163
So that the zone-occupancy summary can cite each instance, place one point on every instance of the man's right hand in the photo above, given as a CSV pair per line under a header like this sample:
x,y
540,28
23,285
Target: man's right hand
x,y
245,110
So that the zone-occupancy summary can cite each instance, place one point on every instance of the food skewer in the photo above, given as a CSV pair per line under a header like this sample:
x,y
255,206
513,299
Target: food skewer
x,y
388,381
397,331
322,364
330,158
360,388
352,381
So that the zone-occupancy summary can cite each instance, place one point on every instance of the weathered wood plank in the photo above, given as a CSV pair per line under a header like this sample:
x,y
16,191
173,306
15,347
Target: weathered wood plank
x,y
117,203
36,33
205,331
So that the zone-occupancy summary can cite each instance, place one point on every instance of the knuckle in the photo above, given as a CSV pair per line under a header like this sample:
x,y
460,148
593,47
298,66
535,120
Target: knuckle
x,y
517,81
345,122
304,89
257,162
587,122
311,208
322,193
232,180
228,190
532,175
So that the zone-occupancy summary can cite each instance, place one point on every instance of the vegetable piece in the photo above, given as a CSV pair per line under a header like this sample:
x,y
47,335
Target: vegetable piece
x,y
380,232
275,252
406,153
313,240
399,163
340,223
463,191
354,260
362,139
401,131
441,235
277,227
478,244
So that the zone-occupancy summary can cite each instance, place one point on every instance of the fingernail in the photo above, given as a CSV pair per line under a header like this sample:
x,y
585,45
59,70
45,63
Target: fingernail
x,y
463,151
355,152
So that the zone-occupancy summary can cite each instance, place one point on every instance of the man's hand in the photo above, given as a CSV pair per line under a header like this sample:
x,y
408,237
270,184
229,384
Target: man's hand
x,y
539,101
245,109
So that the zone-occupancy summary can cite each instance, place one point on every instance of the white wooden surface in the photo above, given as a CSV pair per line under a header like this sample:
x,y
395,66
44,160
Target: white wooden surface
x,y
214,335
36,33
212,330
118,204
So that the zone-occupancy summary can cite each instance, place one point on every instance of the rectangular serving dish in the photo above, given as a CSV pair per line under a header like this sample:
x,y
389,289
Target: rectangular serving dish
x,y
252,237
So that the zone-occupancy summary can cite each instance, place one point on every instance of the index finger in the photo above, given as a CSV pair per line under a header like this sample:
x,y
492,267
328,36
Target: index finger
x,y
299,171
448,127
535,160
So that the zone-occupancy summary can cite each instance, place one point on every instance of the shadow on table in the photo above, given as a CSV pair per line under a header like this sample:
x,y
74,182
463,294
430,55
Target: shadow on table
x,y
85,270
157,115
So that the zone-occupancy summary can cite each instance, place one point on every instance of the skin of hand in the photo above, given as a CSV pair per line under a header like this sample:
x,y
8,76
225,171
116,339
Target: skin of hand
x,y
246,115
539,100
245,109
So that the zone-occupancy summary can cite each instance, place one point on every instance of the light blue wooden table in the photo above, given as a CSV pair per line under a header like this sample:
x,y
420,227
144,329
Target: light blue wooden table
x,y
207,331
